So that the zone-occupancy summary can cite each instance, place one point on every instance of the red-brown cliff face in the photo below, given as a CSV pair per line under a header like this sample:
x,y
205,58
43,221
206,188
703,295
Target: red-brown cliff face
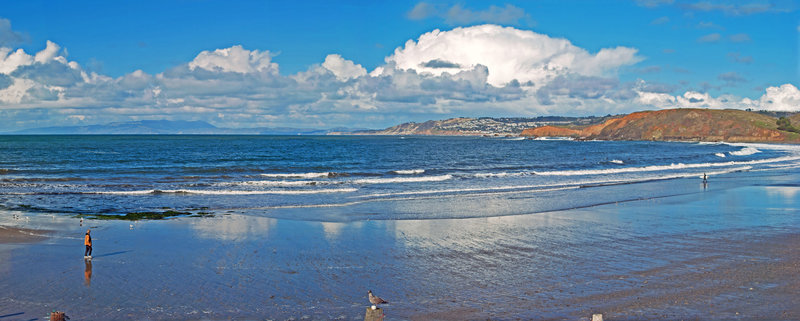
x,y
680,124
552,131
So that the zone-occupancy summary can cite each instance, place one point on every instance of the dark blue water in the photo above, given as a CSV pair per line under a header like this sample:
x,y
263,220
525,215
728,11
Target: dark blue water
x,y
345,178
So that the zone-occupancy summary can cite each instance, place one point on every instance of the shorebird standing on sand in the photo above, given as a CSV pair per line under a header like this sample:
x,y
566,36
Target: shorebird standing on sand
x,y
374,299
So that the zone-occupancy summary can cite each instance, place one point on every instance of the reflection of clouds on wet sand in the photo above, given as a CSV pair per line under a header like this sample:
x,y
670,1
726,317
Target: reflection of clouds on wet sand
x,y
789,193
333,230
465,232
233,227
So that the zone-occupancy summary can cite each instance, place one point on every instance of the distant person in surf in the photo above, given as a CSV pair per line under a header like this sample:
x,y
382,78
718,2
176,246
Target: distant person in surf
x,y
87,240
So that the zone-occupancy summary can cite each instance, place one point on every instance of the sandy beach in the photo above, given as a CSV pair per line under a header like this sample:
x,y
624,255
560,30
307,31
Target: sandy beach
x,y
719,254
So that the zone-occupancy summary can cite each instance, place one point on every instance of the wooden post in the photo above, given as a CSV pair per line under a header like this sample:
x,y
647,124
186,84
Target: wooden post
x,y
57,316
373,315
597,317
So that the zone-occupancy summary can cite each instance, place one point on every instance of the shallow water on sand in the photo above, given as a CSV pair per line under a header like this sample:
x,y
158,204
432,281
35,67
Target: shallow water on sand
x,y
726,251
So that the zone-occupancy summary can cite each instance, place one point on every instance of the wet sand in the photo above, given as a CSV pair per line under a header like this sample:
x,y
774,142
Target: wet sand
x,y
12,235
728,254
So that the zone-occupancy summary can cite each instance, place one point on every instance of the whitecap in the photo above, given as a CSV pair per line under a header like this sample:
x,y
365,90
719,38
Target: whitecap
x,y
299,175
409,171
745,151
273,183
501,174
227,192
438,178
654,168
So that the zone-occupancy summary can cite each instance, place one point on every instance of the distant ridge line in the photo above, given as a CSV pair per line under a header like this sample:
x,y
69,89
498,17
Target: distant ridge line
x,y
169,127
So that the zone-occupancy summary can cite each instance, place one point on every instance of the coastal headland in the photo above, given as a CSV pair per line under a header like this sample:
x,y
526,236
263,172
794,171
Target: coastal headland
x,y
686,124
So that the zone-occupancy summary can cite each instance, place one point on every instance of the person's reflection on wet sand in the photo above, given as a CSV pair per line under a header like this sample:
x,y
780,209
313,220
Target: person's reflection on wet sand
x,y
87,272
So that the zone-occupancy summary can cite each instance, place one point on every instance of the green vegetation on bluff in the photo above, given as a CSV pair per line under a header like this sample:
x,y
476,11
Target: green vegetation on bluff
x,y
786,124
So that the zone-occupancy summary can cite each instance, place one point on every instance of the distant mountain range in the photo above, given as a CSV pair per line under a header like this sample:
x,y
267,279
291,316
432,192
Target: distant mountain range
x,y
171,127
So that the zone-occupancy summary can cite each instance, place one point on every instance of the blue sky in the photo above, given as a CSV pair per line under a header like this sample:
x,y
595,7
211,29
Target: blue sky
x,y
328,64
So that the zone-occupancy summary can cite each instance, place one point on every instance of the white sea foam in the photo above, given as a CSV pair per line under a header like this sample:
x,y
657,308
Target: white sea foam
x,y
617,161
409,171
228,192
655,168
544,187
272,183
485,175
780,166
515,139
143,192
720,155
438,178
308,205
482,190
745,151
299,175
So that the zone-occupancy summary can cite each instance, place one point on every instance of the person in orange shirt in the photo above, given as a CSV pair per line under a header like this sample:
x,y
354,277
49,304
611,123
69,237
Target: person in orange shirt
x,y
88,242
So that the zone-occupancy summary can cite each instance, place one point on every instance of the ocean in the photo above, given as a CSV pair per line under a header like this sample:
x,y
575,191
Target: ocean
x,y
354,178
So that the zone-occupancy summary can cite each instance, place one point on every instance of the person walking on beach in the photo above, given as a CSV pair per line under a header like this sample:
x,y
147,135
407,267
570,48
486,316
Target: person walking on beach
x,y
87,240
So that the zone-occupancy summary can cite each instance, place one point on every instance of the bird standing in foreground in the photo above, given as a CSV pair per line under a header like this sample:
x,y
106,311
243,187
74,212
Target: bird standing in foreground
x,y
374,299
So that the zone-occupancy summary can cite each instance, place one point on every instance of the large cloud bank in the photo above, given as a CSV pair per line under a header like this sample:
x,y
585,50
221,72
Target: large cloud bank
x,y
484,70
510,54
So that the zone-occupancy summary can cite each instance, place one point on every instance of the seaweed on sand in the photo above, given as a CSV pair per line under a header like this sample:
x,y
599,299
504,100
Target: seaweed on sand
x,y
136,216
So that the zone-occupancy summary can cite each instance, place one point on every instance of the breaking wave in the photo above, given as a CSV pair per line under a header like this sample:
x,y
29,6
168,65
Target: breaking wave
x,y
272,183
655,168
409,172
301,175
502,174
745,151
438,178
197,192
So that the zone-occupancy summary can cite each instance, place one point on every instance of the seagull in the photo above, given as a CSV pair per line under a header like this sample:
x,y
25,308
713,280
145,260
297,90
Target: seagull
x,y
374,299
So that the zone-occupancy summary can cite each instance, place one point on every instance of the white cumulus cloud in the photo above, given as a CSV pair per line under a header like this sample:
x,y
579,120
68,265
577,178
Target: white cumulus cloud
x,y
48,53
343,69
783,98
508,53
234,59
11,59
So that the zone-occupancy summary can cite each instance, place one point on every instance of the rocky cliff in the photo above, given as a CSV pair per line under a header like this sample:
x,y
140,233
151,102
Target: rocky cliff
x,y
680,124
